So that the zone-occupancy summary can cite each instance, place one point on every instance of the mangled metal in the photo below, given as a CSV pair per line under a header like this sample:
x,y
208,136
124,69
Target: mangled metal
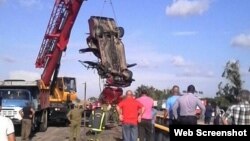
x,y
104,41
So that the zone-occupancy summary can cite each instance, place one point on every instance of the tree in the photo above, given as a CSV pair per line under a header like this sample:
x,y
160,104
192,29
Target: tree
x,y
222,102
228,92
93,99
156,94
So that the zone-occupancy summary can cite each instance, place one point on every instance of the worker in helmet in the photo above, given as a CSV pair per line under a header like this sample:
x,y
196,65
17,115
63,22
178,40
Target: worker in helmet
x,y
97,120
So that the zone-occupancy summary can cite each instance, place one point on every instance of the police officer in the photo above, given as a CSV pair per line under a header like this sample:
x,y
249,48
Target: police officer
x,y
75,118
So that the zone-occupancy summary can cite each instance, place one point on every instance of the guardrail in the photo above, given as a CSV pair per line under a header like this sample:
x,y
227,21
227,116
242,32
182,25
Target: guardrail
x,y
161,129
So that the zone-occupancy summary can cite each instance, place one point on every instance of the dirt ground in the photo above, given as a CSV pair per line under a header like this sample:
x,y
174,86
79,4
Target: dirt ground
x,y
62,134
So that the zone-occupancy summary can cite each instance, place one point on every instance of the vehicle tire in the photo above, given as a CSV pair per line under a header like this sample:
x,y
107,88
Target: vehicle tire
x,y
127,74
44,121
120,32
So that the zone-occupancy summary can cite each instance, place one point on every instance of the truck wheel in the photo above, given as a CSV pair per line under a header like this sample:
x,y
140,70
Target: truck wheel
x,y
44,121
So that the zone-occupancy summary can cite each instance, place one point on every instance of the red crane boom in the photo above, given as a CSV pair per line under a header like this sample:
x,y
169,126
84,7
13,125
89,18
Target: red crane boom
x,y
57,37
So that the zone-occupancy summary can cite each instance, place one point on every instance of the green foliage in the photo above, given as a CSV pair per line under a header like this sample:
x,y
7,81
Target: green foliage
x,y
228,92
210,100
93,99
156,94
222,101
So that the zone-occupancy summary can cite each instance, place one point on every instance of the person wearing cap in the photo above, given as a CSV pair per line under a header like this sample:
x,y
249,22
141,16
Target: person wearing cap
x,y
187,104
7,132
75,118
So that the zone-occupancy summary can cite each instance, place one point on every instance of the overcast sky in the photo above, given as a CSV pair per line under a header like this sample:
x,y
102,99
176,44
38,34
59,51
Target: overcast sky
x,y
173,42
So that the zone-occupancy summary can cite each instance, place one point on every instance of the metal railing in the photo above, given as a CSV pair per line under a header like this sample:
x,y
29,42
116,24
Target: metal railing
x,y
161,129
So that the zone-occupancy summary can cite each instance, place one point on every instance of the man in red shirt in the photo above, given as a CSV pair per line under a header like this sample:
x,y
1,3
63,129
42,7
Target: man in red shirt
x,y
130,112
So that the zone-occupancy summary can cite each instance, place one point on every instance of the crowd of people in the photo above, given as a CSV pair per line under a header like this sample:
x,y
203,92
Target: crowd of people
x,y
138,114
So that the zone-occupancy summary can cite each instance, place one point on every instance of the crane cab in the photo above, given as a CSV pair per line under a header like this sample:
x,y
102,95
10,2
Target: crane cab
x,y
65,90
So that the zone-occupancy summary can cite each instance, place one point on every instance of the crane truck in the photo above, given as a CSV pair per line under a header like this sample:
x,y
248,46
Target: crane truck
x,y
51,95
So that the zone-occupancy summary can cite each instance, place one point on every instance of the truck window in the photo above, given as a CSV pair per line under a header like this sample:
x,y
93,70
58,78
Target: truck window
x,y
70,84
15,94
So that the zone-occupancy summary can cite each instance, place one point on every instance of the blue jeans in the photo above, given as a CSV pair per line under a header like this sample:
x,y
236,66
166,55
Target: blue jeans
x,y
129,132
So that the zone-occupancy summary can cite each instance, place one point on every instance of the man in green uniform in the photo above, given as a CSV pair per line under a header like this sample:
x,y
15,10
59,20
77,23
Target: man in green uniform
x,y
75,118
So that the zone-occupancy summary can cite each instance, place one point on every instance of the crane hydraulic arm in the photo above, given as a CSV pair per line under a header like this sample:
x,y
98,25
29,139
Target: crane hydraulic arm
x,y
56,38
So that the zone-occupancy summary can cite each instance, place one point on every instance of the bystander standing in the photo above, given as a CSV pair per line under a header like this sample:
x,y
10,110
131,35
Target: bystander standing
x,y
170,104
187,104
217,115
145,126
75,118
7,132
27,113
208,113
239,114
154,117
130,113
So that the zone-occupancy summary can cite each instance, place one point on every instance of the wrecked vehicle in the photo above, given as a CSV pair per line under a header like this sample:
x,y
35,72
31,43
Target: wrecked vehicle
x,y
104,41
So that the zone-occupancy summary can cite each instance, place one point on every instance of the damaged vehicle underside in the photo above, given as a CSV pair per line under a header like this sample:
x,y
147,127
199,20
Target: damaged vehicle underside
x,y
104,41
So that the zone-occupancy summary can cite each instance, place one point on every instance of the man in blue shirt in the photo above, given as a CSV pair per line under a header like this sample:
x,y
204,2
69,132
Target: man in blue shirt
x,y
170,104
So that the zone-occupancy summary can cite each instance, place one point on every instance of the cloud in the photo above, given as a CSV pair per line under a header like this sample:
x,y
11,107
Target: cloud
x,y
25,75
7,59
196,72
178,61
184,33
176,65
187,7
145,55
242,40
163,80
188,68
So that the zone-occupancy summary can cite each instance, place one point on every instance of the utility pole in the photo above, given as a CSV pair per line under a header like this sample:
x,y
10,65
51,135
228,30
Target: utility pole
x,y
85,88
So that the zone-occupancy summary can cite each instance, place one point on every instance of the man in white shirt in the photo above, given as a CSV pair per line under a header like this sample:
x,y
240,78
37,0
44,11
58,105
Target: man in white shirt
x,y
7,132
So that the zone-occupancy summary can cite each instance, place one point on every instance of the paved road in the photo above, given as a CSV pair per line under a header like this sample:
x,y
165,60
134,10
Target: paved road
x,y
62,134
